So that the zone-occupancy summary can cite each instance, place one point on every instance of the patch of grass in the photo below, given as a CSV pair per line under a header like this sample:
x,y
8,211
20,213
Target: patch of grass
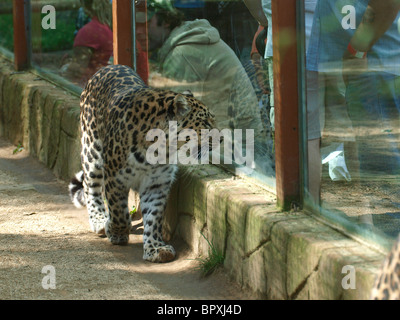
x,y
214,260
18,149
133,211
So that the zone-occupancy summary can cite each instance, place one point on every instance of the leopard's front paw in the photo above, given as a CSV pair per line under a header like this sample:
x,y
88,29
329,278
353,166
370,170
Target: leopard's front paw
x,y
98,225
163,253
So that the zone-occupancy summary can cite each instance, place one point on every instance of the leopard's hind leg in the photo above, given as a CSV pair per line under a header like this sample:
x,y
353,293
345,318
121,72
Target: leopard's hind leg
x,y
118,225
92,164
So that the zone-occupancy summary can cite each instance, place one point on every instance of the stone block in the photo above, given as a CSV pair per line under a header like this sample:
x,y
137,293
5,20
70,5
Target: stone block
x,y
189,232
13,121
52,140
216,216
70,118
365,279
50,116
238,206
202,177
282,230
37,102
185,184
234,255
68,162
259,222
305,249
326,282
254,275
275,272
200,202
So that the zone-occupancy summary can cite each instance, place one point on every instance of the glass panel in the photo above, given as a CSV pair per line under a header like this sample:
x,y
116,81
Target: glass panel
x,y
353,105
207,47
71,39
6,25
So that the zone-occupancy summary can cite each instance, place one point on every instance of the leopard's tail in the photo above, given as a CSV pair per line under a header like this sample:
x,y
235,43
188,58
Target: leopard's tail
x,y
76,191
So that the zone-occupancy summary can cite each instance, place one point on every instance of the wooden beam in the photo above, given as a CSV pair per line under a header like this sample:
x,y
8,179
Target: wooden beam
x,y
20,36
122,32
288,182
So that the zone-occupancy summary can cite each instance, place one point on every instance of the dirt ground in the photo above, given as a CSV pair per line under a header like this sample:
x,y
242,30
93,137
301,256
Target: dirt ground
x,y
43,237
371,198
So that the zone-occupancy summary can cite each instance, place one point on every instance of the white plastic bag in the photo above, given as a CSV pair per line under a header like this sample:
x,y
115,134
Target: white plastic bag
x,y
334,156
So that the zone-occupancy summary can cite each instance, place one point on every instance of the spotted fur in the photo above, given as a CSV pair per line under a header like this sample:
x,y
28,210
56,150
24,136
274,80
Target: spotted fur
x,y
117,111
387,285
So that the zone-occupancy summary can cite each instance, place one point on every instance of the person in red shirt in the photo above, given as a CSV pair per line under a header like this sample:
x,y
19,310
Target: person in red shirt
x,y
93,44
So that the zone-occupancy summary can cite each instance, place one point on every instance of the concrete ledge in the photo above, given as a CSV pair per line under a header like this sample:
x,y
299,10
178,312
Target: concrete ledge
x,y
278,255
41,117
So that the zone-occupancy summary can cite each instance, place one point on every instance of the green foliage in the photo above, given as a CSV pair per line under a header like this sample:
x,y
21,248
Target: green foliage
x,y
133,211
6,31
214,260
18,149
61,38
50,40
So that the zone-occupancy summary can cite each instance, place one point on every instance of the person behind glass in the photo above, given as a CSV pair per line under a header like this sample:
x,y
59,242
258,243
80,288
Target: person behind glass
x,y
368,93
261,10
259,63
93,44
192,9
371,71
192,56
326,105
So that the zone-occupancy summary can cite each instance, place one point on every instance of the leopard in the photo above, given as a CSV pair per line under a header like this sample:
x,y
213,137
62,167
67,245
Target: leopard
x,y
117,113
387,284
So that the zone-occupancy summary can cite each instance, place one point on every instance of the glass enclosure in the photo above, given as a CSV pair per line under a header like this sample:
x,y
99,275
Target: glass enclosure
x,y
216,50
222,52
6,26
71,39
352,110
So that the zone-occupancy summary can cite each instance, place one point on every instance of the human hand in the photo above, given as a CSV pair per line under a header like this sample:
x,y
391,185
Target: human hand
x,y
353,66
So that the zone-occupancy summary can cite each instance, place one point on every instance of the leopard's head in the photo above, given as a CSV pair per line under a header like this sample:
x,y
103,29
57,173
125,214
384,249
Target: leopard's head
x,y
188,124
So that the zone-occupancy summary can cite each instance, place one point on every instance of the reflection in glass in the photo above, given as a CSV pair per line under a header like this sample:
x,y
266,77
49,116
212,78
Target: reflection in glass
x,y
6,25
80,43
212,57
93,42
354,100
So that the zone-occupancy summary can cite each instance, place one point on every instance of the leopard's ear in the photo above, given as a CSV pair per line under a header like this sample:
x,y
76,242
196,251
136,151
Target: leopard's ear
x,y
188,93
181,105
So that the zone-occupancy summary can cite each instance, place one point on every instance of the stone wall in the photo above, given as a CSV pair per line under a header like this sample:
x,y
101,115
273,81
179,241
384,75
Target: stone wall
x,y
278,255
41,117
